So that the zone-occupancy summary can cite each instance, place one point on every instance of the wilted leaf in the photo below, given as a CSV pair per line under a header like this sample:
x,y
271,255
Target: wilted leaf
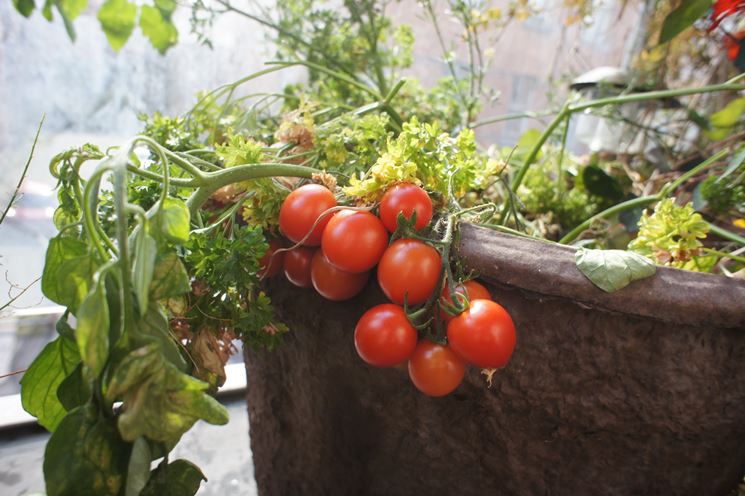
x,y
42,379
117,18
160,31
169,278
178,478
683,17
160,402
85,456
611,270
146,249
93,329
68,269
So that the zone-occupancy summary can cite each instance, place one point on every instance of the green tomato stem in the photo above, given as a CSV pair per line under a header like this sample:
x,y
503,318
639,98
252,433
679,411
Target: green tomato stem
x,y
216,180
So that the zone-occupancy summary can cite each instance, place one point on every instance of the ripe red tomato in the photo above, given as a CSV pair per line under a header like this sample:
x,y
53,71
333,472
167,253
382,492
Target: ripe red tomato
x,y
470,289
435,369
384,337
354,241
405,198
483,335
268,269
301,209
409,268
332,283
297,266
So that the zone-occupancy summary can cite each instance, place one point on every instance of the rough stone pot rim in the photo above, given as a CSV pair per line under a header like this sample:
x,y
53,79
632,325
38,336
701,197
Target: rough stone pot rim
x,y
671,295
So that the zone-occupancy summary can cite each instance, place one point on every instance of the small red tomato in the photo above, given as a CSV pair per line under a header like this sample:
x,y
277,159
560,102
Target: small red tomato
x,y
409,268
301,209
271,264
483,335
384,337
332,283
471,289
297,266
405,198
354,241
434,369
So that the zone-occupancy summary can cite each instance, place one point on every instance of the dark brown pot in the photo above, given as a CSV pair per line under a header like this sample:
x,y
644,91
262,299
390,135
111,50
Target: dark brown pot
x,y
641,391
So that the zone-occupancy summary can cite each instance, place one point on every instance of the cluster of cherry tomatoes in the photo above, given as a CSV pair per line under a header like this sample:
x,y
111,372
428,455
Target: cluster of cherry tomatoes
x,y
336,250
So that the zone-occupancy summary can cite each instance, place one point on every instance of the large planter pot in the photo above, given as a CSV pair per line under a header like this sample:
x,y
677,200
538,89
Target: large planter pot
x,y
641,391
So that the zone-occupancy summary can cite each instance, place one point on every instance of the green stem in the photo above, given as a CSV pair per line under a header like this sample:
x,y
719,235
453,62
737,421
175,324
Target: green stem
x,y
120,207
621,207
709,162
23,174
90,203
570,108
725,234
216,180
724,254
329,72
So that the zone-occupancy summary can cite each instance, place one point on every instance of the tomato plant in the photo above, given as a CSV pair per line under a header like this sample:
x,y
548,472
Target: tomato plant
x,y
471,289
483,335
384,337
302,209
333,283
435,369
298,266
409,270
354,241
272,262
405,198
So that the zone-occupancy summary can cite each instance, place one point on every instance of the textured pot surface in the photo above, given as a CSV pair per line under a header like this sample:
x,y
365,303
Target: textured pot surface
x,y
636,392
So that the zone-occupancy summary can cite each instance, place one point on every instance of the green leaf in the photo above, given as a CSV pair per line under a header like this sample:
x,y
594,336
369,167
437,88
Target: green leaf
x,y
85,455
166,7
68,269
74,390
178,478
72,8
117,18
723,121
599,183
42,379
93,329
161,32
160,402
146,249
173,220
611,270
683,17
138,472
24,7
169,278
47,10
